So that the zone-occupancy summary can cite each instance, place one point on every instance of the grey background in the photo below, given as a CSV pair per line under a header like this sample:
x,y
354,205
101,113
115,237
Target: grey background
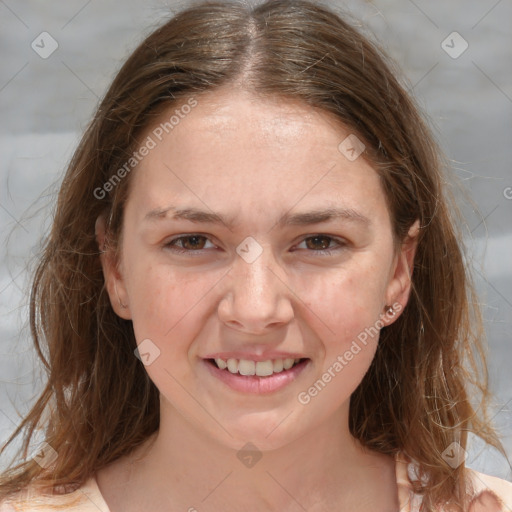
x,y
46,103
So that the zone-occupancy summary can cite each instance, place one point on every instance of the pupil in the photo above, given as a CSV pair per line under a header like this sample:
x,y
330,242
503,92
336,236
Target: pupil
x,y
319,242
194,242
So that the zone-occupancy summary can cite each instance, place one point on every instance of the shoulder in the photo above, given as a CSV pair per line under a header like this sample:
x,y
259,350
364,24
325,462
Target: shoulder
x,y
486,493
489,494
87,498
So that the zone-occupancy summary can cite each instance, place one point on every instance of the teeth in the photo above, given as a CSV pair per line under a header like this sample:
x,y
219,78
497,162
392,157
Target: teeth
x,y
278,366
260,368
263,368
288,363
221,364
246,367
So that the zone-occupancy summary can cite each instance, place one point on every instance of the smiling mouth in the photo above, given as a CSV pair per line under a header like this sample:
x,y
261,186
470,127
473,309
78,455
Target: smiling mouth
x,y
247,367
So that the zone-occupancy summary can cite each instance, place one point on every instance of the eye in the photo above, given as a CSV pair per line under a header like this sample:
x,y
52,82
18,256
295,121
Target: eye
x,y
321,244
188,243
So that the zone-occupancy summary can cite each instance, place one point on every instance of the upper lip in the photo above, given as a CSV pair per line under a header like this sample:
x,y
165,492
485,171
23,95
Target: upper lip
x,y
254,357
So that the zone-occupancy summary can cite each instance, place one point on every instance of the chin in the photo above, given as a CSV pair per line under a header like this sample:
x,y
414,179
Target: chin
x,y
263,433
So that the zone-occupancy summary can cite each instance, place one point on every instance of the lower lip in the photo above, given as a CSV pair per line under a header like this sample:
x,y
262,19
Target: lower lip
x,y
254,384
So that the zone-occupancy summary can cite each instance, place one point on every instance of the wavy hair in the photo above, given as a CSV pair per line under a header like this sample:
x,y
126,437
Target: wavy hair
x,y
99,403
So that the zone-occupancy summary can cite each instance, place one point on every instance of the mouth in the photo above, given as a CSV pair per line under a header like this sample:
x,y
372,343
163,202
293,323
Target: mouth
x,y
257,377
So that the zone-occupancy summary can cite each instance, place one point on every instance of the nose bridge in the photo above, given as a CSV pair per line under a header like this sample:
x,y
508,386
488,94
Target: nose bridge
x,y
256,297
254,277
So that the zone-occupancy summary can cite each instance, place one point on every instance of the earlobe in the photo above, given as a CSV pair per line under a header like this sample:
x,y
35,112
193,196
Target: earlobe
x,y
399,287
391,313
113,277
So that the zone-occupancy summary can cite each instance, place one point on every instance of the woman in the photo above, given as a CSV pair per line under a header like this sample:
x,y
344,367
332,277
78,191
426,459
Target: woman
x,y
253,293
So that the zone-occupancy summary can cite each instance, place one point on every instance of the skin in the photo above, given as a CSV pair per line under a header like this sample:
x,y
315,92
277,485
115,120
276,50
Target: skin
x,y
253,160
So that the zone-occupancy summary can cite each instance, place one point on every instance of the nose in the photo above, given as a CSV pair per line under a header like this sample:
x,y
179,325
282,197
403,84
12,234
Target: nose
x,y
257,299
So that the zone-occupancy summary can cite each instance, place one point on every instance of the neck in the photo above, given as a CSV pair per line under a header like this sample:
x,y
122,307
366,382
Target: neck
x,y
319,471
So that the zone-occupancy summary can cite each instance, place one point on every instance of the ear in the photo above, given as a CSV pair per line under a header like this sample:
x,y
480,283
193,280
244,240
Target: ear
x,y
114,281
399,286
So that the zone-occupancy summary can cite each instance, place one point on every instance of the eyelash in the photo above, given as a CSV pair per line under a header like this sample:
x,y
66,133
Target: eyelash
x,y
171,244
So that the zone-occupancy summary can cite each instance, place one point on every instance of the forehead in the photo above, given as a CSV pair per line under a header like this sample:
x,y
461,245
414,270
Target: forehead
x,y
236,150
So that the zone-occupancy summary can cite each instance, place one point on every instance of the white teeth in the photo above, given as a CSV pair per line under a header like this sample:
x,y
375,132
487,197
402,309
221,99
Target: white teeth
x,y
278,366
288,363
232,365
264,368
221,364
260,368
246,367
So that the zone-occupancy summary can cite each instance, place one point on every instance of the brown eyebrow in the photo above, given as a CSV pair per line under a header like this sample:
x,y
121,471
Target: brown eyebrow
x,y
327,214
296,219
191,214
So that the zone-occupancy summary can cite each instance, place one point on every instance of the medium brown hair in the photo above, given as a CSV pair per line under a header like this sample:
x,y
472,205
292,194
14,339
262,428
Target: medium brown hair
x,y
99,401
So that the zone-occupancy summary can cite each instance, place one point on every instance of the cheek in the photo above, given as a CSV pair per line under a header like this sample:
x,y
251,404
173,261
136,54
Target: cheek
x,y
167,306
342,303
344,313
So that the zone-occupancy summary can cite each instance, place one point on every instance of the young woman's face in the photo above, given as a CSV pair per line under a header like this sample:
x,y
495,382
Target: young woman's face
x,y
251,237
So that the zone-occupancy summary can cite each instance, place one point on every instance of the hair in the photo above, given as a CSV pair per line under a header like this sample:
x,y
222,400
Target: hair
x,y
99,403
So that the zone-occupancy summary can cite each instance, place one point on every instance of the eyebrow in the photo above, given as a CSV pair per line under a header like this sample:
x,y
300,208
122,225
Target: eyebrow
x,y
288,219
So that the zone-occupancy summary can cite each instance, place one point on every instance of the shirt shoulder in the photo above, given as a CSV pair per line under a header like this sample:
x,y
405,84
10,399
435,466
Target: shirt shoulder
x,y
86,498
488,493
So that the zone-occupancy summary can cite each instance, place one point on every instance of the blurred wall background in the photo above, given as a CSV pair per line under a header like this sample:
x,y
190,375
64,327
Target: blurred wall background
x,y
57,58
